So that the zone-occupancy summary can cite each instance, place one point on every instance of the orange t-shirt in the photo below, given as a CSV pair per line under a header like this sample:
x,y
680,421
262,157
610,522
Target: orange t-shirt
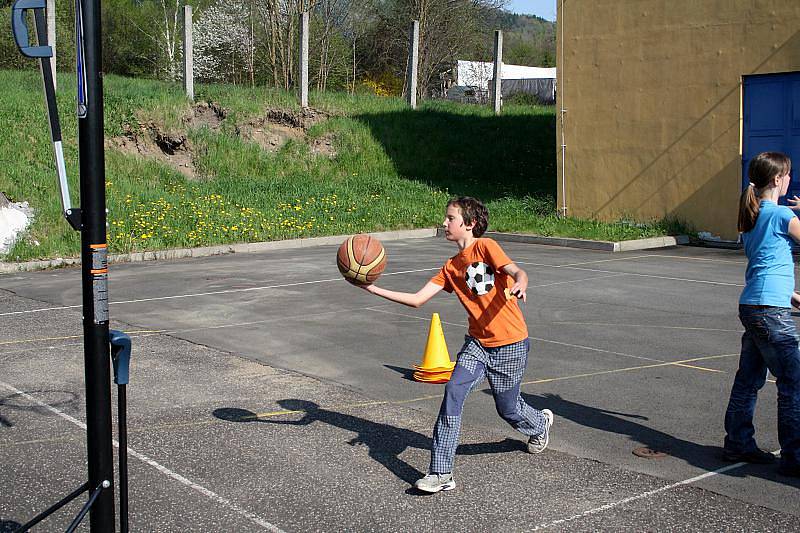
x,y
476,276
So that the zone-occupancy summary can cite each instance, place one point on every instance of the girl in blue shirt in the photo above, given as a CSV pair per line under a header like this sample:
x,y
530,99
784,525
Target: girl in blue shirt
x,y
770,340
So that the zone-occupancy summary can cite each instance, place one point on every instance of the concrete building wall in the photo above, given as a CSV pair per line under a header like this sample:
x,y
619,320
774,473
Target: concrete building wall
x,y
653,99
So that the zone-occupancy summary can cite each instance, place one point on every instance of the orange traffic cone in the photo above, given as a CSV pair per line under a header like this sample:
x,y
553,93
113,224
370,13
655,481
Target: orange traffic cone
x,y
436,365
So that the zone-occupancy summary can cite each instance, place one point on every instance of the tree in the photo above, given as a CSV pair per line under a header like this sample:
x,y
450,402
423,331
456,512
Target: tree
x,y
529,40
224,42
126,52
448,29
336,27
257,40
160,23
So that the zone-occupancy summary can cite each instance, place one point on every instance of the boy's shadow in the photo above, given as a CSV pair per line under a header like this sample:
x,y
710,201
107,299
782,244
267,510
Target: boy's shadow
x,y
385,443
708,458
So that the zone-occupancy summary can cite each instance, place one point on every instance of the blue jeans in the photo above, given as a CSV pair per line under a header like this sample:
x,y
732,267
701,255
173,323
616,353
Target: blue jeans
x,y
769,341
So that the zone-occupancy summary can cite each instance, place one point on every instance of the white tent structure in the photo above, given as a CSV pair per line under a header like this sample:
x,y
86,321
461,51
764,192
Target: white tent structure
x,y
478,73
475,77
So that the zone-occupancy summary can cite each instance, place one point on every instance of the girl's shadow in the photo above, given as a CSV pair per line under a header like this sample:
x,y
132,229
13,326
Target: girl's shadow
x,y
385,443
708,458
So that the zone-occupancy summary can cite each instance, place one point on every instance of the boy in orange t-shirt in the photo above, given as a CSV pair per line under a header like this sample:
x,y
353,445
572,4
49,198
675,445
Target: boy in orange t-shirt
x,y
496,346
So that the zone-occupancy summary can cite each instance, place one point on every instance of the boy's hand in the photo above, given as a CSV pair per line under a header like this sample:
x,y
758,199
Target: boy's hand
x,y
369,287
366,287
520,281
518,290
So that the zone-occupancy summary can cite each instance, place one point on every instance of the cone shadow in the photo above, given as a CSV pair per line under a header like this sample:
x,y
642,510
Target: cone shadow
x,y
407,373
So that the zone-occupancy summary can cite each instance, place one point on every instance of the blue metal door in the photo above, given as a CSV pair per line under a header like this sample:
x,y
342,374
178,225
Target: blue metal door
x,y
772,121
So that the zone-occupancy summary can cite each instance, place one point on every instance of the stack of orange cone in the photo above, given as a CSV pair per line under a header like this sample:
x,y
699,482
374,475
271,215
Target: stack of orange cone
x,y
436,365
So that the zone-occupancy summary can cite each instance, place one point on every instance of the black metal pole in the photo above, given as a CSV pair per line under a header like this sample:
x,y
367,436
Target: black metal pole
x,y
122,422
88,505
94,268
52,509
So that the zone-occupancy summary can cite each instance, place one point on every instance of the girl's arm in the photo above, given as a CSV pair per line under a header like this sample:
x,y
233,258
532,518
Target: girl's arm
x,y
795,300
520,280
794,229
406,298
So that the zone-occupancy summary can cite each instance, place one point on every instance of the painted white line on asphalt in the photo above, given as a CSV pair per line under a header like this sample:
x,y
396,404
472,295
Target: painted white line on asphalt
x,y
604,260
164,470
330,280
593,349
212,293
608,324
60,308
643,495
667,278
575,281
742,262
590,348
64,337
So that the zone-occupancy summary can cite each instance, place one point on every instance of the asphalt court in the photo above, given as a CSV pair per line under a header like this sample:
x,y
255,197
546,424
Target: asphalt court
x,y
271,380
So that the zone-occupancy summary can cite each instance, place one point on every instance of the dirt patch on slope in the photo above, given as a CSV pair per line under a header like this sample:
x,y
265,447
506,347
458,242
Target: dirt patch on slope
x,y
149,141
208,114
270,137
271,132
277,127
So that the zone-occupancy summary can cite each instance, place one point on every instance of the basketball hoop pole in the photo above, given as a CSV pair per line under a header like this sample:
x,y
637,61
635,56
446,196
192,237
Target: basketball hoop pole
x,y
94,264
90,220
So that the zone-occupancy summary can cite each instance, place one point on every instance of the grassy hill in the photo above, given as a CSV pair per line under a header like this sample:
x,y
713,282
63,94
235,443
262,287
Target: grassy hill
x,y
247,165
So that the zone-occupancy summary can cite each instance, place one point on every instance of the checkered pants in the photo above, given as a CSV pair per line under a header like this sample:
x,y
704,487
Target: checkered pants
x,y
503,366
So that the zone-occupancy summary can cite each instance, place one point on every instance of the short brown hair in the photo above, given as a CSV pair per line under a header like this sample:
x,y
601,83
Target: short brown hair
x,y
473,212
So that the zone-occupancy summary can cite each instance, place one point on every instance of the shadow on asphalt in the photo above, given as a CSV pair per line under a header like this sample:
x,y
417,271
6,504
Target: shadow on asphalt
x,y
704,457
385,442
65,400
407,373
7,526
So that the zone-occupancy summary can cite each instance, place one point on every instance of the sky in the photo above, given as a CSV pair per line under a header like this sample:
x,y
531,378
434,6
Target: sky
x,y
542,8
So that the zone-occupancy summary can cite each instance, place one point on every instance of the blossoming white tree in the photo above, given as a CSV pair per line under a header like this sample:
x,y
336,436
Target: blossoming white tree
x,y
223,41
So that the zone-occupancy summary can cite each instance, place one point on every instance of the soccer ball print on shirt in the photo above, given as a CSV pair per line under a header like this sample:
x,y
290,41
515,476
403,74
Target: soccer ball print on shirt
x,y
480,278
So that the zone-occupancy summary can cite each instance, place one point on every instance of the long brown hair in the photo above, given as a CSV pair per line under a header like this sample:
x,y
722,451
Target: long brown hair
x,y
763,168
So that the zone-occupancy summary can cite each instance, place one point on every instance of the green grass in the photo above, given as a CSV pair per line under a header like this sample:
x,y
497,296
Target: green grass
x,y
394,168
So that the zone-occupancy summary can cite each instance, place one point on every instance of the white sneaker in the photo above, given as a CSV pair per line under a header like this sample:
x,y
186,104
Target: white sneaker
x,y
537,443
436,482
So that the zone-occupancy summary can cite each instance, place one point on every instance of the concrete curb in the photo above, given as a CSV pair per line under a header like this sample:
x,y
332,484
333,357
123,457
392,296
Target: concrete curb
x,y
180,253
606,246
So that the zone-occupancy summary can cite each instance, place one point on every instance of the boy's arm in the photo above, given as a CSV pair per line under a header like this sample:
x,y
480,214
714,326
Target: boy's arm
x,y
520,280
406,298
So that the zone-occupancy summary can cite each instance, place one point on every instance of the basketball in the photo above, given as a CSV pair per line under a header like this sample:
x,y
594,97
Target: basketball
x,y
361,259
